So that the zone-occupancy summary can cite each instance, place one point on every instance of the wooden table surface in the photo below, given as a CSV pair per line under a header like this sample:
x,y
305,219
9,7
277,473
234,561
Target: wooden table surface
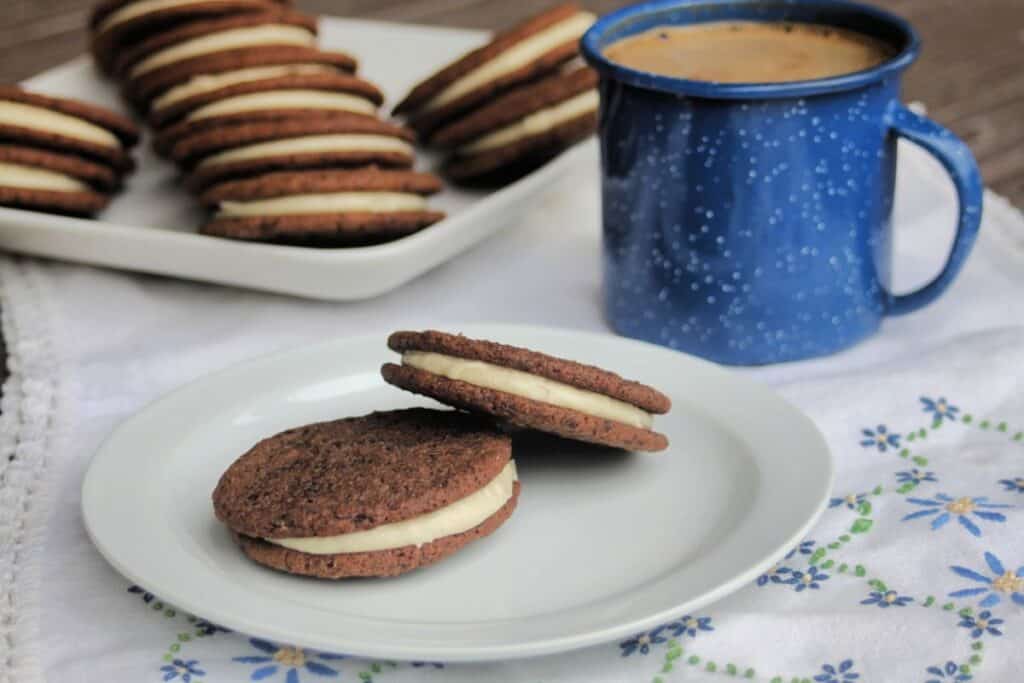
x,y
970,76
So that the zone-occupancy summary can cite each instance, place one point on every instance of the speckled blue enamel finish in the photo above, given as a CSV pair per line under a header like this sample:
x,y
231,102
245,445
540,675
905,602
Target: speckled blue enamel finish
x,y
750,224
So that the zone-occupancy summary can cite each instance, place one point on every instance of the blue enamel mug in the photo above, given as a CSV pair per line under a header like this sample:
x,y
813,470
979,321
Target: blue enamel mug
x,y
751,223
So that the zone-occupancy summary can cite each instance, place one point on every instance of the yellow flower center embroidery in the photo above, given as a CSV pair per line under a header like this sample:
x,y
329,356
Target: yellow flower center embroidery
x,y
290,656
981,623
890,598
1019,482
1008,583
851,499
807,578
961,506
644,639
692,623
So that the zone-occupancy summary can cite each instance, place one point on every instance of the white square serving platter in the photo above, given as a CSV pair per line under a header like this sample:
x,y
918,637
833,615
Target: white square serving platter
x,y
151,227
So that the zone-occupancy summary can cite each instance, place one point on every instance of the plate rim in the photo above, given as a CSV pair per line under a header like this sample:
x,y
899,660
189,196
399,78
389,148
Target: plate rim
x,y
450,653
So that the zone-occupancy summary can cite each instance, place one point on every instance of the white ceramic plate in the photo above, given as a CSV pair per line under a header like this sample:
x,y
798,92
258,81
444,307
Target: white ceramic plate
x,y
151,226
603,544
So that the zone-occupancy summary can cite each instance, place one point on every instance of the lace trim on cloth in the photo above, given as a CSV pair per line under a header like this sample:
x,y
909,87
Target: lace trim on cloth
x,y
33,425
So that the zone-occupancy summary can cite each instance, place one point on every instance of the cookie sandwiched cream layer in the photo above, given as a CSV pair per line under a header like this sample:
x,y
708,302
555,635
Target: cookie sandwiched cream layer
x,y
455,518
526,385
310,144
205,83
30,178
516,57
285,99
535,124
47,121
230,39
325,203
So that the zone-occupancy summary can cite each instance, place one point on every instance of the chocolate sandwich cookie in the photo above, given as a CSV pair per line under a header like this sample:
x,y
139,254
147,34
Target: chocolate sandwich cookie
x,y
199,39
41,180
93,175
517,55
378,495
117,24
167,86
292,144
274,99
335,91
323,208
522,128
66,126
529,389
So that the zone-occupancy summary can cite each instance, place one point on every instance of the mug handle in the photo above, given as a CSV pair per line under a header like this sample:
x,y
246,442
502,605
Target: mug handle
x,y
956,158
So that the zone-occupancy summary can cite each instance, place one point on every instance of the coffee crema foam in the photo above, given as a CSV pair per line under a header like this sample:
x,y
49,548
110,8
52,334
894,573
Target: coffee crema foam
x,y
749,51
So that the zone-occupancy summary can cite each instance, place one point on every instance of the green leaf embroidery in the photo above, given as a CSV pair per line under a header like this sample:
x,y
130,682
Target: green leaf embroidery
x,y
877,490
864,508
909,486
920,460
1001,427
827,564
859,570
731,669
861,526
967,418
844,538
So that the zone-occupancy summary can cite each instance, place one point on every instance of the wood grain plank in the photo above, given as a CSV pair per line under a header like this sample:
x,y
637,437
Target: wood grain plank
x,y
969,74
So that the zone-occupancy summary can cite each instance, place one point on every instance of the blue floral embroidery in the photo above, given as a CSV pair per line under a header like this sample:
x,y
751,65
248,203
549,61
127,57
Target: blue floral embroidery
x,y
982,624
642,642
776,574
837,674
690,625
915,477
881,438
940,408
1013,485
183,669
852,501
805,548
947,672
146,596
208,628
811,578
946,507
887,599
1002,581
291,660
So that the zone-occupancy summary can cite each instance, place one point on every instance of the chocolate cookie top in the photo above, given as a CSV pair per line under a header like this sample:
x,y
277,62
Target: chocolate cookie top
x,y
515,105
284,184
105,8
587,377
327,82
195,147
97,176
136,56
358,473
161,85
121,127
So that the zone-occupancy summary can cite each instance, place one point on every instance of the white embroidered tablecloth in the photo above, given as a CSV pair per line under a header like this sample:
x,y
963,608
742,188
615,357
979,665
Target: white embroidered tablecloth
x,y
915,572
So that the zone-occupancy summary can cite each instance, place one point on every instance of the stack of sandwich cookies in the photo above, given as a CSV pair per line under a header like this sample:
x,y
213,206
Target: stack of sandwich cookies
x,y
59,155
529,389
240,96
377,495
515,56
323,207
119,24
337,140
523,128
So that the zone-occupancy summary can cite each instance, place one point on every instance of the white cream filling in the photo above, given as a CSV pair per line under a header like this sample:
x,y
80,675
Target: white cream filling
x,y
310,144
231,39
38,118
32,178
516,57
199,85
456,518
138,9
526,385
285,99
333,202
536,123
